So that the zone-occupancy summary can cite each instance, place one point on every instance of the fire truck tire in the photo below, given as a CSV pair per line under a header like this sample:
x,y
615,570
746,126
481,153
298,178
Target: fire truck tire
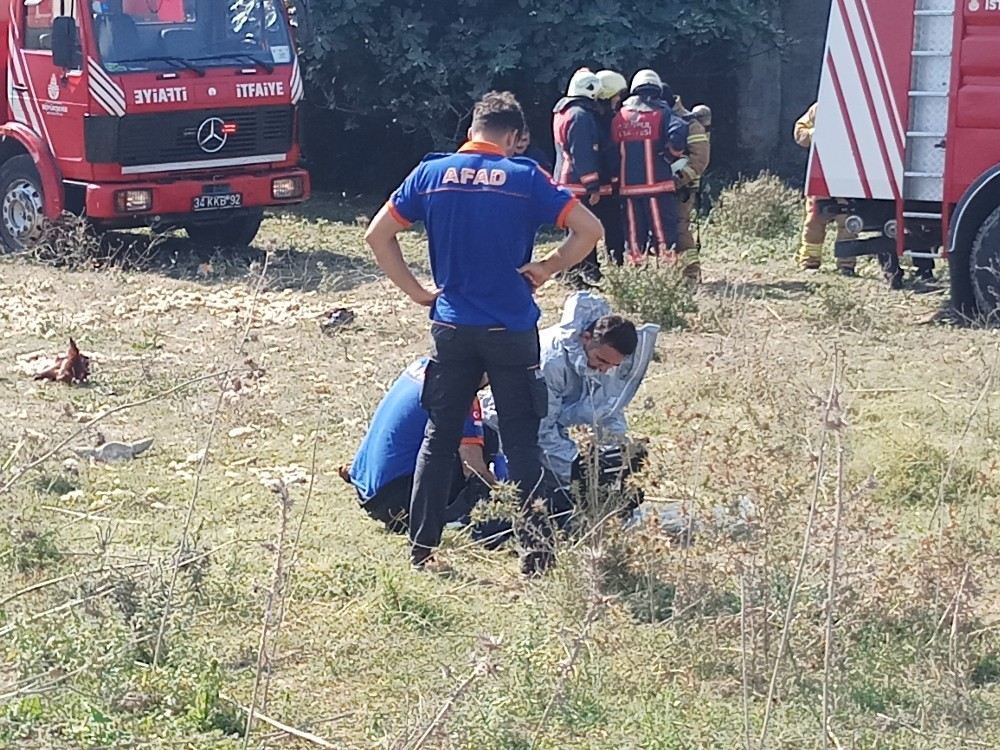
x,y
984,267
22,206
236,231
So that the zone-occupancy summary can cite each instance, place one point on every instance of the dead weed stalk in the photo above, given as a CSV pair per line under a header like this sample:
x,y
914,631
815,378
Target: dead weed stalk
x,y
483,665
832,421
831,595
273,601
203,463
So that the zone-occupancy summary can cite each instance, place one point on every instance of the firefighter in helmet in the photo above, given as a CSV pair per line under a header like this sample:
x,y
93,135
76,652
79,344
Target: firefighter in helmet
x,y
810,256
614,89
651,140
698,154
703,114
576,131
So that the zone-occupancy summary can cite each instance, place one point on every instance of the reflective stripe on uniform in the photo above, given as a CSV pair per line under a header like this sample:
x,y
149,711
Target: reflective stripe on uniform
x,y
660,187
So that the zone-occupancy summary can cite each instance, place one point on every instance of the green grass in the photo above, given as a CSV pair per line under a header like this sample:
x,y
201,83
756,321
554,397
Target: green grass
x,y
634,641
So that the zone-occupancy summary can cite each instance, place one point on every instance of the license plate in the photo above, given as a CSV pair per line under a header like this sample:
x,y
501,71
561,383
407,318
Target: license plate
x,y
217,202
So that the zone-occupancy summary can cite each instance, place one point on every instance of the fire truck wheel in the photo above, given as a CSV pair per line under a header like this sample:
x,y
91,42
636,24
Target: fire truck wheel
x,y
236,231
22,214
984,266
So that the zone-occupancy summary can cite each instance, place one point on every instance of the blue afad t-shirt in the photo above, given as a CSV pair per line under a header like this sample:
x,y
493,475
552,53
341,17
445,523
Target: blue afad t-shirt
x,y
482,211
390,448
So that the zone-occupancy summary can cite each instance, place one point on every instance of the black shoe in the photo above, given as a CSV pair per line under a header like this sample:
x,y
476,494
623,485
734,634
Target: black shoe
x,y
420,556
891,271
925,276
847,272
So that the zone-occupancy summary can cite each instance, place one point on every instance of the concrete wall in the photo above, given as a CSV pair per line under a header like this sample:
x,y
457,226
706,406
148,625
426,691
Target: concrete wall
x,y
777,86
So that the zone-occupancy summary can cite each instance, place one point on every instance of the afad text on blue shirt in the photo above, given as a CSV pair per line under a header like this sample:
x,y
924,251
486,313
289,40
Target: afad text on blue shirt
x,y
468,176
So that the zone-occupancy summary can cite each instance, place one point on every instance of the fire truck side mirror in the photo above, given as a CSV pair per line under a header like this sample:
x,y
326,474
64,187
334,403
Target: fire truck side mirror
x,y
65,43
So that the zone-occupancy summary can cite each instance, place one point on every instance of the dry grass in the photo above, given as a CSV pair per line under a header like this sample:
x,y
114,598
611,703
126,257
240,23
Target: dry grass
x,y
638,639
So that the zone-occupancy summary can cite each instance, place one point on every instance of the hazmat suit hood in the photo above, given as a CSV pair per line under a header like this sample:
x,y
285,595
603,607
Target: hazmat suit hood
x,y
580,311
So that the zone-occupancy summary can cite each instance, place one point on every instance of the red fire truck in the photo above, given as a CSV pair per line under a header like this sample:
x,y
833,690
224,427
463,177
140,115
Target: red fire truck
x,y
166,113
907,141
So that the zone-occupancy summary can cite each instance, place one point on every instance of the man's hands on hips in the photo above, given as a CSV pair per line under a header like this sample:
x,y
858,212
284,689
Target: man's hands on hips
x,y
381,237
585,231
425,297
538,272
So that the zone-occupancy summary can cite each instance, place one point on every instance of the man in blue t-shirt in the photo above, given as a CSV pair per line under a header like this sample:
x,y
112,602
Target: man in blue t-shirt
x,y
481,209
383,468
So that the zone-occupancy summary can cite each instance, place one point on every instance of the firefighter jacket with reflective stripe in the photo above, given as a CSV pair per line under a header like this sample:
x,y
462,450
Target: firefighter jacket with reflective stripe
x,y
650,137
699,150
577,134
805,126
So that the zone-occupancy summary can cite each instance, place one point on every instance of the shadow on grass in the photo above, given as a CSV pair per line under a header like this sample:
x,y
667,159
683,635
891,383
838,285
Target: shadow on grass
x,y
781,289
331,207
317,246
179,258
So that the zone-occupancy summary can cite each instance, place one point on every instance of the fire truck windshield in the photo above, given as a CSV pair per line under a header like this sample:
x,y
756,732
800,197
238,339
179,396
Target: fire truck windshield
x,y
136,35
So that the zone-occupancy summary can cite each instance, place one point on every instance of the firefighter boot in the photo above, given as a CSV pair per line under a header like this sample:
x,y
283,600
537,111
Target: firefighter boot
x,y
846,267
691,266
810,256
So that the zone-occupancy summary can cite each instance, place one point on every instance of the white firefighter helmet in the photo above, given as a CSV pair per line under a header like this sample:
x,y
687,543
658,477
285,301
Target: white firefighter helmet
x,y
612,84
584,83
646,78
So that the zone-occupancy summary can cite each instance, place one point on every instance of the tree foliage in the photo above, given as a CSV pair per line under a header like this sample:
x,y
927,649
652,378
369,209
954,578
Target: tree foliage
x,y
418,66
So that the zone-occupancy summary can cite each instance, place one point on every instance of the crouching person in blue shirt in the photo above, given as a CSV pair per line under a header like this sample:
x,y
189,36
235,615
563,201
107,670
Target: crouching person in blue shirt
x,y
384,466
481,209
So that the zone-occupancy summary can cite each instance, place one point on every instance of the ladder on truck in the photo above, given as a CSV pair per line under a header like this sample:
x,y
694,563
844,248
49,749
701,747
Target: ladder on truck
x,y
927,127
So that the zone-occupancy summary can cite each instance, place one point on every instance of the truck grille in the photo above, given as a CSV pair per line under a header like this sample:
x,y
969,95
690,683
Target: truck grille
x,y
172,137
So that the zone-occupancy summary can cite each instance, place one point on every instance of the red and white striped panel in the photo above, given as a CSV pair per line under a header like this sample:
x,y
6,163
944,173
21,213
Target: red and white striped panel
x,y
20,88
296,86
858,147
103,89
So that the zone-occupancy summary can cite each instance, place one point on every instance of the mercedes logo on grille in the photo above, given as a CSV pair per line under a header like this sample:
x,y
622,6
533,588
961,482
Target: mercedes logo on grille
x,y
212,135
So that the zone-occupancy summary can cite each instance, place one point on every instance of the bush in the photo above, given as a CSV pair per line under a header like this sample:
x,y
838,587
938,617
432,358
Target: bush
x,y
420,66
763,207
919,474
839,307
655,292
30,551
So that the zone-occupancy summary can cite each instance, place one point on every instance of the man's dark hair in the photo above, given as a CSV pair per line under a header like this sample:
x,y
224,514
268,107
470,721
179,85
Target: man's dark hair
x,y
617,332
498,112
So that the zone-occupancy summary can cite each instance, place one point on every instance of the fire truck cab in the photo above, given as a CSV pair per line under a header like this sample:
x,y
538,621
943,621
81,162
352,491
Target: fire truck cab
x,y
907,141
164,113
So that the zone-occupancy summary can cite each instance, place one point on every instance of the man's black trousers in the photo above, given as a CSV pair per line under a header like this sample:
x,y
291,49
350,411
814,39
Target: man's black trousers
x,y
460,355
609,211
